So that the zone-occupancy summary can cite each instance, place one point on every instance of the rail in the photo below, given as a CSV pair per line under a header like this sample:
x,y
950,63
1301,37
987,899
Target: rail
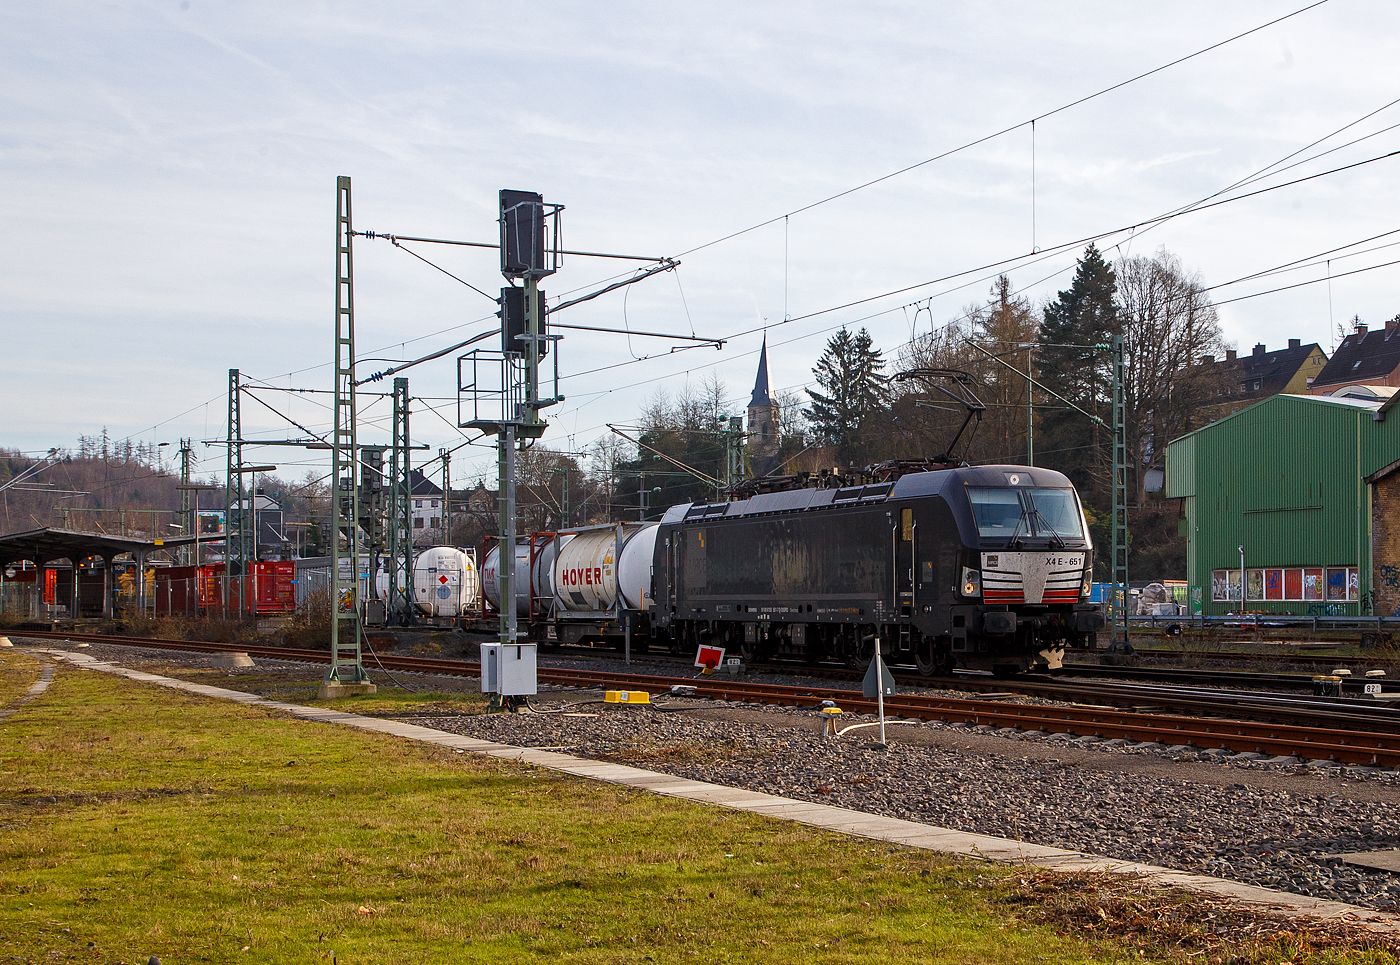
x,y
1367,747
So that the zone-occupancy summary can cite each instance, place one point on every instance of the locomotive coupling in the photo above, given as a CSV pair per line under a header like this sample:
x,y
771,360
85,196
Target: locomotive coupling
x,y
999,621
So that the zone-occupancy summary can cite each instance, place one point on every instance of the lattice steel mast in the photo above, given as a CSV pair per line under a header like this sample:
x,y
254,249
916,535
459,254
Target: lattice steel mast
x,y
400,519
1120,494
235,549
347,665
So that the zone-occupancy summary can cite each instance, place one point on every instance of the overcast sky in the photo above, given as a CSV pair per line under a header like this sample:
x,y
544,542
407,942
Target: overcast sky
x,y
167,186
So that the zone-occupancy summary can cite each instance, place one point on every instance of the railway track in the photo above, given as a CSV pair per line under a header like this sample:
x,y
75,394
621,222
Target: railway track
x,y
1236,678
1277,655
1365,736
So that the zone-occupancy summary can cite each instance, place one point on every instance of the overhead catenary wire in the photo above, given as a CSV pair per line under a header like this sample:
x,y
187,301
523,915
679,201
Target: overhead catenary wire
x,y
1030,121
1006,130
1064,246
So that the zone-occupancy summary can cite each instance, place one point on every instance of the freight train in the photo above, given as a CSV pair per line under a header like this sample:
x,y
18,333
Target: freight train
x,y
985,567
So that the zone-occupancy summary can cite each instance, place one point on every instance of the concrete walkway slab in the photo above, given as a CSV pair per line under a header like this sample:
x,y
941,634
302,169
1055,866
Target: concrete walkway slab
x,y
839,820
1388,860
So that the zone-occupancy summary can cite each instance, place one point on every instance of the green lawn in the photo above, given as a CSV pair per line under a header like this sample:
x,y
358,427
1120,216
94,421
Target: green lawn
x,y
148,822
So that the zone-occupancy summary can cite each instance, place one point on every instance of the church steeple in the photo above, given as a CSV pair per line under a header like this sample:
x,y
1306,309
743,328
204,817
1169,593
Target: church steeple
x,y
760,384
762,436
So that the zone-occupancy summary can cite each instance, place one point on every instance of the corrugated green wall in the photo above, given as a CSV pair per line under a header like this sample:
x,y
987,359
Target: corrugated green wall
x,y
1285,479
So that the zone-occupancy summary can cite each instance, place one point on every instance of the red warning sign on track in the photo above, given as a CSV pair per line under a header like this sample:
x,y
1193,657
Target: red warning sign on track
x,y
710,657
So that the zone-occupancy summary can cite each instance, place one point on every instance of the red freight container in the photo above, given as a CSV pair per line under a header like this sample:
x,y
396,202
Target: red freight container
x,y
277,591
177,590
177,586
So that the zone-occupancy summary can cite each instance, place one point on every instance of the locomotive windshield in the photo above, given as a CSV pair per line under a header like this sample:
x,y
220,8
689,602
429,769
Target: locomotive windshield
x,y
1014,514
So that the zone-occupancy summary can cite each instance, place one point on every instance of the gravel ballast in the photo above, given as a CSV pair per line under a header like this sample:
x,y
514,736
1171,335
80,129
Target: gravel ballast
x,y
1276,824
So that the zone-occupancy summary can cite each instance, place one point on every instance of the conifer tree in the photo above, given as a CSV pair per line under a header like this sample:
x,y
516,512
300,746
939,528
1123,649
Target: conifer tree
x,y
1075,323
851,375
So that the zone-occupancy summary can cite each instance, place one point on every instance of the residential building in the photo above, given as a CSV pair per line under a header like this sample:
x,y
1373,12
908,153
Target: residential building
x,y
1245,380
425,507
1365,366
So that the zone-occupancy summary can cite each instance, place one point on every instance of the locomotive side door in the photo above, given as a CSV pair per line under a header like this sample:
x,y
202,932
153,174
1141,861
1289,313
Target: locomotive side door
x,y
905,547
673,566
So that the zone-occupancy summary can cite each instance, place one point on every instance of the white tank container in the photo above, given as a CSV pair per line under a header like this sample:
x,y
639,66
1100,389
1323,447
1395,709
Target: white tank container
x,y
491,578
445,581
542,569
585,571
634,568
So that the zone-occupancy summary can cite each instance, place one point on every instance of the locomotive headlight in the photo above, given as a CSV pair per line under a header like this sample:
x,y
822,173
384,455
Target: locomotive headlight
x,y
1087,586
971,582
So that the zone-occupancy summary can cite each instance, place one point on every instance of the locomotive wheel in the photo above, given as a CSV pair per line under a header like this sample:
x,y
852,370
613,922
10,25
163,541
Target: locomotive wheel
x,y
859,655
930,661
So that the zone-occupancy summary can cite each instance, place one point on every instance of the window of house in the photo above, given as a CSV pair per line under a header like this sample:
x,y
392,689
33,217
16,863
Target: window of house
x,y
433,504
434,522
1258,384
418,504
418,522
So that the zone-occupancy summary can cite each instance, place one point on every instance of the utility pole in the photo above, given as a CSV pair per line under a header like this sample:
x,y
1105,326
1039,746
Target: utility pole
x,y
564,500
233,491
186,513
1120,494
1030,409
347,671
516,388
400,519
446,456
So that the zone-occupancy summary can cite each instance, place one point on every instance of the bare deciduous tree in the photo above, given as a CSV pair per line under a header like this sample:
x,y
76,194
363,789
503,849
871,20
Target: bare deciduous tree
x,y
1168,323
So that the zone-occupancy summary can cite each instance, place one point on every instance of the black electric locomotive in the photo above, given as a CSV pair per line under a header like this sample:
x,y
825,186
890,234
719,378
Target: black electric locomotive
x,y
985,567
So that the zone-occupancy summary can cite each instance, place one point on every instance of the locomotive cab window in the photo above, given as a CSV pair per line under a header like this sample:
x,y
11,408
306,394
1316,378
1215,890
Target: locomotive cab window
x,y
1033,513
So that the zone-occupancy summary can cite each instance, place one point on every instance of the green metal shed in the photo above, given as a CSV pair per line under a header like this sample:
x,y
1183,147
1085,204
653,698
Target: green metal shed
x,y
1285,480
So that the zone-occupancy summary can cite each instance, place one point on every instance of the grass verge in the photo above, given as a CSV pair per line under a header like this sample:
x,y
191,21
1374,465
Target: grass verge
x,y
138,821
17,674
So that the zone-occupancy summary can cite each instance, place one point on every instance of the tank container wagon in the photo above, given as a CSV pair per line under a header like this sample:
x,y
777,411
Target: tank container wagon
x,y
572,594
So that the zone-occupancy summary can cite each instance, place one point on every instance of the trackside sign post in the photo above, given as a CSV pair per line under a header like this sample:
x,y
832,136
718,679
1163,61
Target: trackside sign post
x,y
878,682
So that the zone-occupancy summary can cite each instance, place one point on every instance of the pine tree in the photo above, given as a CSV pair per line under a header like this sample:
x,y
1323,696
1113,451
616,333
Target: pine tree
x,y
1071,364
851,374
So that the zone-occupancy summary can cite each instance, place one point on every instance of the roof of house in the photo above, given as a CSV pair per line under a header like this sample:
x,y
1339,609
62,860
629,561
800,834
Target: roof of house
x,y
1273,370
422,486
1363,356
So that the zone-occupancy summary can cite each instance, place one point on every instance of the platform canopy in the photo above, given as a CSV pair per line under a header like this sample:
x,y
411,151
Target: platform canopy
x,y
50,543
